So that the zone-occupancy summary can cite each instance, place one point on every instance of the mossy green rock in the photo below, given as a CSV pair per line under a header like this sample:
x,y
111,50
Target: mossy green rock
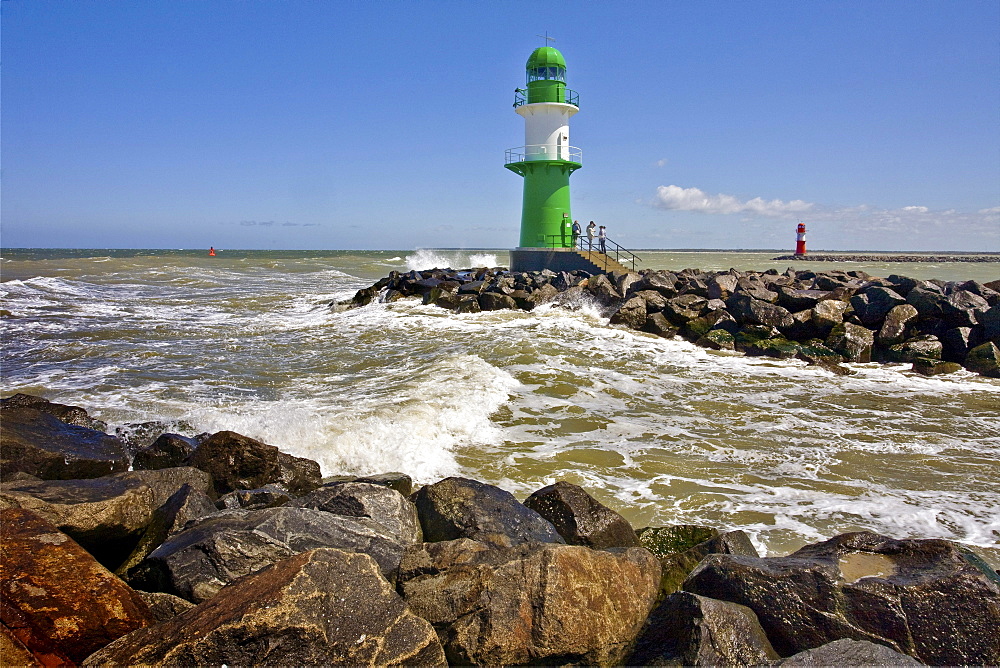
x,y
664,541
717,339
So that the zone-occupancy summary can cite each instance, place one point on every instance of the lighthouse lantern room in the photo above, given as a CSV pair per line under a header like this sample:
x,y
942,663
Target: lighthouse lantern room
x,y
546,160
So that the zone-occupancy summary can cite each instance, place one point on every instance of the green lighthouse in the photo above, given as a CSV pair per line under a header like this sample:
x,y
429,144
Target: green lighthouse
x,y
546,160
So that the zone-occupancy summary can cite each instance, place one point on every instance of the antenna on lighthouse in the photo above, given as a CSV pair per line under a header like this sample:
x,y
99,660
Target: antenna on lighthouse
x,y
546,38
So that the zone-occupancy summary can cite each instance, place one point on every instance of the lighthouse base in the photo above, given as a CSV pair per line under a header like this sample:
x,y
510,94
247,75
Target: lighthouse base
x,y
562,259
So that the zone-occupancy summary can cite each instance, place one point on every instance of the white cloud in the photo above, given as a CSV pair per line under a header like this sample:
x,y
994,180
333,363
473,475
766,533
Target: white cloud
x,y
661,162
675,198
860,226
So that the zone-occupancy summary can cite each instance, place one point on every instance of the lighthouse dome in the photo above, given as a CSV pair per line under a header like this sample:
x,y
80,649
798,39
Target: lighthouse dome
x,y
546,63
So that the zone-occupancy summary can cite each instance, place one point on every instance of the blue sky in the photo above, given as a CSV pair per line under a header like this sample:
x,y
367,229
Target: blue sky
x,y
367,125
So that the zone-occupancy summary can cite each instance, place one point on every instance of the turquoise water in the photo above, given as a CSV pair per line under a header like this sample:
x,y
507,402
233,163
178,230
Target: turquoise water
x,y
660,430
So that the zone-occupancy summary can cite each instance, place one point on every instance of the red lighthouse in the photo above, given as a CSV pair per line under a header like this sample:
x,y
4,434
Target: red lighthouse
x,y
800,240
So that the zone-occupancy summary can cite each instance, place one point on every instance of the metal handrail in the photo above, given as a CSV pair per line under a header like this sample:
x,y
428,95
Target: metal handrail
x,y
622,255
521,97
543,152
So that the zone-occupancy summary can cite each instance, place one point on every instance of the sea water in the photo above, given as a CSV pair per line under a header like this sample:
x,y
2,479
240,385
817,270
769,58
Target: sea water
x,y
660,430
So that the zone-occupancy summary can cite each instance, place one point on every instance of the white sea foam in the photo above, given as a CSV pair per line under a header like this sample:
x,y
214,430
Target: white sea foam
x,y
424,258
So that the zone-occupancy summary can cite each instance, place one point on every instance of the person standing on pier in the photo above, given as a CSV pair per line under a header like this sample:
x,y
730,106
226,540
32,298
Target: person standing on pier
x,y
590,235
602,236
577,230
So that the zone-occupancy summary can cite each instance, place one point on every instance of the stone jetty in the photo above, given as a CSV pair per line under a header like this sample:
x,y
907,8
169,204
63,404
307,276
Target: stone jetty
x,y
220,549
891,257
824,318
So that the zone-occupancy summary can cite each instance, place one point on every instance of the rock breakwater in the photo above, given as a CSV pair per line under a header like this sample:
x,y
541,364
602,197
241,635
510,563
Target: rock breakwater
x,y
823,318
299,570
891,257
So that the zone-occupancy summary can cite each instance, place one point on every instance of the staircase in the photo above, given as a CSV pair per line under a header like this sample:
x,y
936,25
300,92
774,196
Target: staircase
x,y
601,263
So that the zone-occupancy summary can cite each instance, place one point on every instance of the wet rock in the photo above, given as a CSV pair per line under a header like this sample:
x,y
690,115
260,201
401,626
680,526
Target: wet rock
x,y
654,300
925,598
240,462
926,298
717,339
107,516
543,294
57,594
927,347
494,301
185,505
848,652
663,282
826,315
722,286
320,607
400,482
68,414
268,496
852,341
664,541
799,300
603,290
691,630
991,296
676,567
991,324
679,310
963,308
167,451
748,310
897,324
984,360
462,508
956,343
580,518
375,502
34,442
210,553
632,313
872,305
933,367
657,323
530,604
624,282
163,606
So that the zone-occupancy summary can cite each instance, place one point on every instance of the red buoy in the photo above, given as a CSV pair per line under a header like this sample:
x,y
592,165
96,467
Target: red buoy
x,y
800,240
211,251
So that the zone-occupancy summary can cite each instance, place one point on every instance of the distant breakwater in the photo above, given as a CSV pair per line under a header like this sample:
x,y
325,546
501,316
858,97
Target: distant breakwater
x,y
890,258
824,318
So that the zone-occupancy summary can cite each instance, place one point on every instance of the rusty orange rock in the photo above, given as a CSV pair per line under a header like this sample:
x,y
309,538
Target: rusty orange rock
x,y
58,599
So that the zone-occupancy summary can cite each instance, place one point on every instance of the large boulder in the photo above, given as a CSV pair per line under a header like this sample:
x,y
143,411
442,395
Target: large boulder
x,y
462,508
495,301
852,341
240,462
62,412
691,630
846,652
105,515
897,324
632,313
530,604
926,297
210,553
318,608
186,504
676,567
872,305
580,518
748,310
926,598
919,347
38,443
984,360
963,308
826,315
56,597
167,451
373,501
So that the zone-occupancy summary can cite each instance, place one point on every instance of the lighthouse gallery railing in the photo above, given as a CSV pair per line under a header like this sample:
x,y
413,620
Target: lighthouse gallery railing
x,y
543,152
571,97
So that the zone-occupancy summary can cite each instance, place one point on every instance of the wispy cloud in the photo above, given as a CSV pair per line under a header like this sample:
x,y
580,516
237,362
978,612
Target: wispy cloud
x,y
865,220
675,198
271,223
